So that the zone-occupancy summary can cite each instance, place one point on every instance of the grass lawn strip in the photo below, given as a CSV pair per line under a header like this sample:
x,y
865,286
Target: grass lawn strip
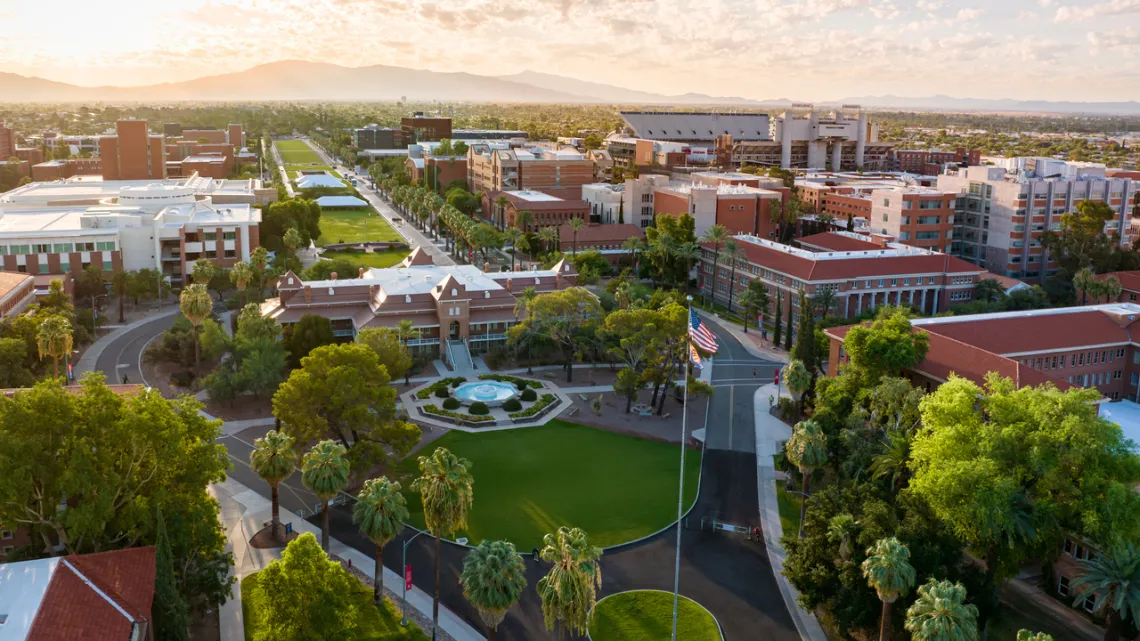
x,y
296,152
378,623
789,505
647,615
385,258
347,226
531,481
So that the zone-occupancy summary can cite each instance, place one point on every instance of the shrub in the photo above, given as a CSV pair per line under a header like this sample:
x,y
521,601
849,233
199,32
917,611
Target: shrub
x,y
512,405
786,408
547,399
435,411
182,379
442,392
455,382
479,409
521,385
451,404
529,395
434,388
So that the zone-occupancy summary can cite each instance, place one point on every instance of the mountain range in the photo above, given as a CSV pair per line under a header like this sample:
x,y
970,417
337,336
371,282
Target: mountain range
x,y
301,80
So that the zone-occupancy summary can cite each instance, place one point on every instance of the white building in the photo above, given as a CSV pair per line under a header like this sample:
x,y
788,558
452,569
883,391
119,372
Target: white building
x,y
605,201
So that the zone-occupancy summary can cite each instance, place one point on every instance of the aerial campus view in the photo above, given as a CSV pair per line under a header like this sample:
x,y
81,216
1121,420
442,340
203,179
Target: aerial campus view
x,y
813,322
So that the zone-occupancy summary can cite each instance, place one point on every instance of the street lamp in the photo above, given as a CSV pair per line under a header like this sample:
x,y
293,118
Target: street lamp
x,y
404,566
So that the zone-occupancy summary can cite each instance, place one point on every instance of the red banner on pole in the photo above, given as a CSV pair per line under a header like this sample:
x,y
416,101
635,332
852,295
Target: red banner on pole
x,y
408,576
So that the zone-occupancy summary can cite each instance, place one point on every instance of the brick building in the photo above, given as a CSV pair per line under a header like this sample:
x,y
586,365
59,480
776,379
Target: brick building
x,y
58,169
546,210
7,143
419,128
133,153
740,209
930,162
437,173
561,172
17,291
605,239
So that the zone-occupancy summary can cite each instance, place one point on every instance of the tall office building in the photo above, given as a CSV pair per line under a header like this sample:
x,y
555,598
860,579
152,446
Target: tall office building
x,y
7,143
133,153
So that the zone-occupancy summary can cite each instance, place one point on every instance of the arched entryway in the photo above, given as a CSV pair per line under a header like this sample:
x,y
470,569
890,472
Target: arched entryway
x,y
453,330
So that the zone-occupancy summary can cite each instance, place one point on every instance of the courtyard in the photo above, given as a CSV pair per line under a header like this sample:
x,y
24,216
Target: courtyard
x,y
296,152
355,225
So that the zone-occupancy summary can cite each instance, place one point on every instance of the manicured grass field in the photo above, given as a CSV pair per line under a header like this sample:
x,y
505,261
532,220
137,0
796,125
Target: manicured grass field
x,y
531,481
292,170
378,623
789,505
647,615
347,225
296,152
386,258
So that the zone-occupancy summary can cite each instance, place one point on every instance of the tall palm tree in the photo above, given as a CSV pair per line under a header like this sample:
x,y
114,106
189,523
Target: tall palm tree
x,y
523,219
888,570
988,290
274,459
891,463
941,614
241,274
203,271
798,378
575,225
1085,281
633,245
522,303
259,260
549,236
807,450
714,235
841,528
502,202
406,331
54,339
324,470
380,512
511,236
196,305
120,279
824,300
732,253
688,254
445,487
1113,579
493,579
569,589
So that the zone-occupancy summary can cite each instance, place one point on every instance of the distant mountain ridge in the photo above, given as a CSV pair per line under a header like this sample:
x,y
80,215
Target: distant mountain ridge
x,y
302,80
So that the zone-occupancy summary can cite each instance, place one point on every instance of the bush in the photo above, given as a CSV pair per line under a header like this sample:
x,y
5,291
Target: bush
x,y
512,405
456,382
451,404
521,385
547,400
436,411
529,395
426,392
182,379
786,408
479,409
442,392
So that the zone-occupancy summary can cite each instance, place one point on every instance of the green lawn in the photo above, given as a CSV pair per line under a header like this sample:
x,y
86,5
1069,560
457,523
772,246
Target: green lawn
x,y
377,624
647,615
529,482
347,226
385,258
296,152
292,170
789,505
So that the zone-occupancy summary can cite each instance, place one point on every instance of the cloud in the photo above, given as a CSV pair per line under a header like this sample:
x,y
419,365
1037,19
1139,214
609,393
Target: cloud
x,y
930,6
885,11
1110,8
968,15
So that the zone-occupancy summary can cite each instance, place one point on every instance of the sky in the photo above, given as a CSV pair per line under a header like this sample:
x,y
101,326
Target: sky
x,y
761,49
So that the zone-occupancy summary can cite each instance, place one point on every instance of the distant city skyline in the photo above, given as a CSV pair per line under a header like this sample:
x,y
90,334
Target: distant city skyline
x,y
1087,50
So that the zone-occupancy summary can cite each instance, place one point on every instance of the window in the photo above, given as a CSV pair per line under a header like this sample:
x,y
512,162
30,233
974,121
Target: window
x,y
85,247
107,266
1063,586
1062,361
211,253
65,267
6,535
929,220
105,247
41,248
210,236
1120,353
62,248
230,253
1081,359
927,235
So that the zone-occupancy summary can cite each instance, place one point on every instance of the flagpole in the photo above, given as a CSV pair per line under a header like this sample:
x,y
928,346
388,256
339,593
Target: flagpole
x,y
681,484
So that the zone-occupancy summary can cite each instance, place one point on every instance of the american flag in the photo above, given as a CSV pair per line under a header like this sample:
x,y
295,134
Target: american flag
x,y
700,334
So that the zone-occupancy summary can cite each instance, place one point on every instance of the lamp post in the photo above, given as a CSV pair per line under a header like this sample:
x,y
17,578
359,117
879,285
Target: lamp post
x,y
404,566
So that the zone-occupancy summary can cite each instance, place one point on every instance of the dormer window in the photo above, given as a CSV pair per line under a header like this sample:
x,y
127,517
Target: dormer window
x,y
537,282
331,292
454,292
407,299
290,281
486,294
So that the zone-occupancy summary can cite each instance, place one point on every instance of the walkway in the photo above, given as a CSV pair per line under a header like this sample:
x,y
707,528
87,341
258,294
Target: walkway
x,y
119,353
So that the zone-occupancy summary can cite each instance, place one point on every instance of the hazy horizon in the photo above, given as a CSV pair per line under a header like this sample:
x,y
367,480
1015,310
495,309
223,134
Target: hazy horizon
x,y
1086,50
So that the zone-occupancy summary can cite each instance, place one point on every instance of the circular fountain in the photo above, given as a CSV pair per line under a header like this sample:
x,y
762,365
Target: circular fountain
x,y
493,393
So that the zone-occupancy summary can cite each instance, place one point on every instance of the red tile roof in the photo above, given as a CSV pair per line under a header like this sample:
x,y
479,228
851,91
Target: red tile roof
x,y
1128,280
828,241
590,234
74,610
833,268
1078,328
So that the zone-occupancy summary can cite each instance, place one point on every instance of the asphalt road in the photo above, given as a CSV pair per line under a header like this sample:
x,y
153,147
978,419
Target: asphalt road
x,y
123,355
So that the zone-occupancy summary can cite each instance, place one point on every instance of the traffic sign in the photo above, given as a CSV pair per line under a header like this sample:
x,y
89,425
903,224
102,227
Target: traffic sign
x,y
408,576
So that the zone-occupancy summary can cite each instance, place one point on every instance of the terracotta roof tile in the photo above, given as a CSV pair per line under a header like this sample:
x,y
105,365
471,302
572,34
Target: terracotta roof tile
x,y
1032,333
836,243
615,234
808,269
1128,280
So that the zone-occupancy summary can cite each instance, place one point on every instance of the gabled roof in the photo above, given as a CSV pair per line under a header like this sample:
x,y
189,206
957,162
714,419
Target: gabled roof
x,y
417,257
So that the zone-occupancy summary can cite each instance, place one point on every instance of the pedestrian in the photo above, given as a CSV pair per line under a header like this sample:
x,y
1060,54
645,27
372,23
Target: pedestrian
x,y
125,379
753,372
535,553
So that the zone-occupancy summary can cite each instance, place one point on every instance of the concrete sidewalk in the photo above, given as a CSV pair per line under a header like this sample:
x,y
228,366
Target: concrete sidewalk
x,y
770,436
243,513
751,341
90,357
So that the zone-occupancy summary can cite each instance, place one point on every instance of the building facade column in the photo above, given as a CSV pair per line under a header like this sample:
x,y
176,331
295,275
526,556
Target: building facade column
x,y
859,304
922,304
935,295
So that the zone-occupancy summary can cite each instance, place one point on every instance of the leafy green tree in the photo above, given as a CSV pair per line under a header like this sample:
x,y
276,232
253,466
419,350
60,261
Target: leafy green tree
x,y
307,334
805,338
888,347
888,570
752,300
389,349
54,339
146,284
493,579
196,305
1026,635
567,319
569,589
274,459
90,284
171,614
13,371
941,613
1113,580
788,327
807,450
241,274
306,595
989,290
777,330
446,490
342,391
380,511
1085,282
324,470
117,458
1081,241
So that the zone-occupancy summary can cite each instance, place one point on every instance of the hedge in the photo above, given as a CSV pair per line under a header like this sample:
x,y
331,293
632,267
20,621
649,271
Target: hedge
x,y
512,405
441,392
547,399
521,383
442,383
451,404
433,409
479,408
529,395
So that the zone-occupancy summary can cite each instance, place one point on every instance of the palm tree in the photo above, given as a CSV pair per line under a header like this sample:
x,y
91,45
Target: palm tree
x,y
1085,281
714,235
888,570
241,274
522,244
569,589
749,303
445,487
1113,579
807,450
292,240
120,279
824,300
576,224
732,253
54,339
549,236
633,245
941,614
324,470
502,202
196,305
891,463
1109,288
522,303
841,528
259,259
512,236
523,219
274,459
380,512
493,579
406,331
688,254
989,290
798,378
